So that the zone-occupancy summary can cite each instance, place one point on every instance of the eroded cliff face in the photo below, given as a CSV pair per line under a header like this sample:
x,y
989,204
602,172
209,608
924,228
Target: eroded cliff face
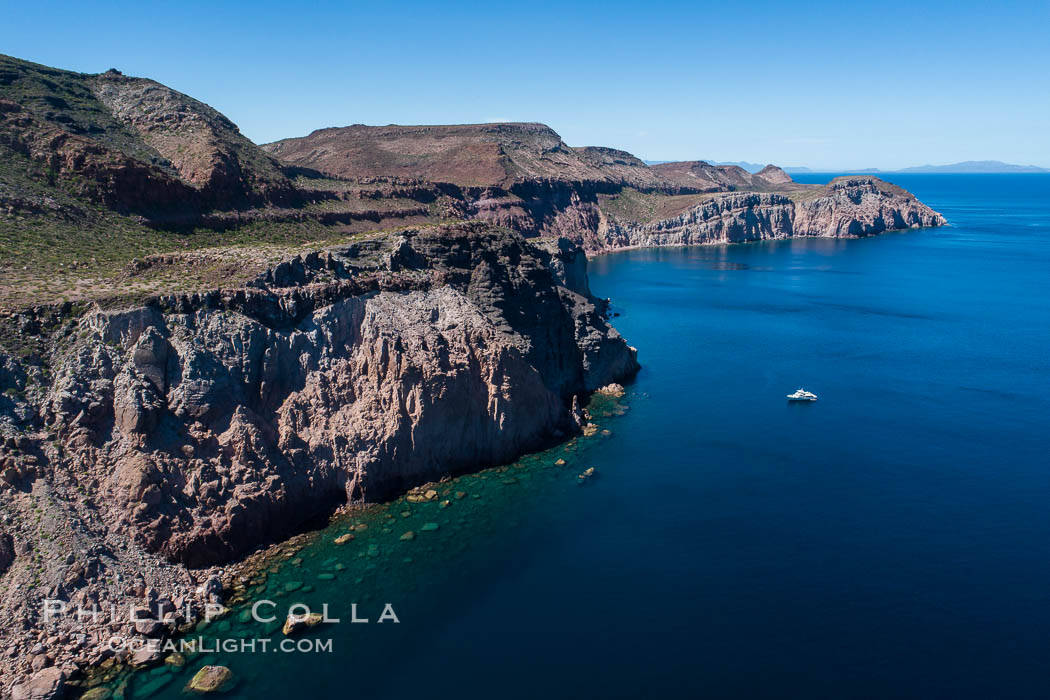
x,y
732,218
194,428
862,206
206,425
847,207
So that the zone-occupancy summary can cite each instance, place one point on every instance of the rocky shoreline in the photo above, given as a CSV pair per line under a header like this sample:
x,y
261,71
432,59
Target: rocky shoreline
x,y
183,434
171,438
227,388
851,207
180,435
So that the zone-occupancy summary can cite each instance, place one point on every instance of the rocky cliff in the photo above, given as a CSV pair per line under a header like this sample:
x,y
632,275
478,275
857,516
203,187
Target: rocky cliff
x,y
524,177
206,389
196,427
846,207
207,424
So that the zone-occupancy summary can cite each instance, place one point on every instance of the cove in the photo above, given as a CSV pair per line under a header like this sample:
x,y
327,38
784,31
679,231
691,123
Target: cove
x,y
888,540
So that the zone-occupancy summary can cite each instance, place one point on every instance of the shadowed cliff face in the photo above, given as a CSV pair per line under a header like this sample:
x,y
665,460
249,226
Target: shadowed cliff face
x,y
211,424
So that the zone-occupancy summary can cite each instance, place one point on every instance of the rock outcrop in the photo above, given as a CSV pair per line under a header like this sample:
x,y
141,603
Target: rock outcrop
x,y
190,429
702,176
862,206
772,175
46,684
212,424
846,207
210,679
732,218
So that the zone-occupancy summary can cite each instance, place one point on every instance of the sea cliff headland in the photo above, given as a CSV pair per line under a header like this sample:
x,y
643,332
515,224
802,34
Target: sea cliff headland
x,y
207,345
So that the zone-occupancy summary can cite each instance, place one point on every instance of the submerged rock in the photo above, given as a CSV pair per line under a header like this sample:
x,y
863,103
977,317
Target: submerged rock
x,y
210,679
298,623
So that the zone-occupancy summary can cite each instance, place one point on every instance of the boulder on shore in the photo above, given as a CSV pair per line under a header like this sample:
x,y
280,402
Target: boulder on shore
x,y
46,684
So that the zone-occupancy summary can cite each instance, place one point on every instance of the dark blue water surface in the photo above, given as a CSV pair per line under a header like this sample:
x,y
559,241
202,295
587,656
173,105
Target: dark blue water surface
x,y
890,540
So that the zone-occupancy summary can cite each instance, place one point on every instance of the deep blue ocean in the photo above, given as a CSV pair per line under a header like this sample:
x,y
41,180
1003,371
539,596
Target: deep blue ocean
x,y
891,540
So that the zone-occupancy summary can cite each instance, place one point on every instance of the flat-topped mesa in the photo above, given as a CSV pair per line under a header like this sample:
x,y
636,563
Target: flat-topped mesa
x,y
468,155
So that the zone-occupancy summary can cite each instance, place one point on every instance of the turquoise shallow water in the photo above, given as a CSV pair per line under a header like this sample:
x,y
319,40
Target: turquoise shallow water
x,y
889,540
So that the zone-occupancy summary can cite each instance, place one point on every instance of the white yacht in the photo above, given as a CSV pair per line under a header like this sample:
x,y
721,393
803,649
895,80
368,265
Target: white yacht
x,y
802,395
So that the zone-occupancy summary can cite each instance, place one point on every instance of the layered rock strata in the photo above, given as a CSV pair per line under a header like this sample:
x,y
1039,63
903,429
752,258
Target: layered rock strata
x,y
847,207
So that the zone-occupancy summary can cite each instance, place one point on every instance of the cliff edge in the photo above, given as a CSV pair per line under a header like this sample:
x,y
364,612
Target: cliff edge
x,y
193,428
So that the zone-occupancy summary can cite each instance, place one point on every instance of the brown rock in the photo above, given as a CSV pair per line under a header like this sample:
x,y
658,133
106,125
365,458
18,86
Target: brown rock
x,y
293,623
147,655
48,684
210,679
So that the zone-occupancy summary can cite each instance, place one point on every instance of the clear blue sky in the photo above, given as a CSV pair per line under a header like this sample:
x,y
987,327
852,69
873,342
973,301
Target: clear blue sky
x,y
825,84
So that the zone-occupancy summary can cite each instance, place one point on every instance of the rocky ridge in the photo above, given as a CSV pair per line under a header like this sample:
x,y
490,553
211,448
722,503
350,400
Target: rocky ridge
x,y
494,155
705,177
131,144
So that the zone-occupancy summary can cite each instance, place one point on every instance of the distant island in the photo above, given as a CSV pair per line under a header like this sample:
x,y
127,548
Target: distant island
x,y
966,166
976,166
